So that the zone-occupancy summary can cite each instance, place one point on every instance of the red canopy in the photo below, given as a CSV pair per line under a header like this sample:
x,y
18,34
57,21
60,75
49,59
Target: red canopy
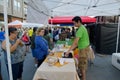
x,y
62,20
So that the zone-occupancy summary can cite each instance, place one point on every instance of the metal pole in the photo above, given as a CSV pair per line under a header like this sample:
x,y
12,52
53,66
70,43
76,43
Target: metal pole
x,y
7,40
51,18
51,22
118,33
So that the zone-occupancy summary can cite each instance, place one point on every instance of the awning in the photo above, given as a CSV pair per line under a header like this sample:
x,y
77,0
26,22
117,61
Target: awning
x,y
68,19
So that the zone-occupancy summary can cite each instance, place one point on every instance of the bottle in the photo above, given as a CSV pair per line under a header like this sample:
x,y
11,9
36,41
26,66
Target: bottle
x,y
66,44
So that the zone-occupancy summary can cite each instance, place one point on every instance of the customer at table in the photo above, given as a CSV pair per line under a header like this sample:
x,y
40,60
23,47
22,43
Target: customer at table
x,y
82,41
17,53
41,46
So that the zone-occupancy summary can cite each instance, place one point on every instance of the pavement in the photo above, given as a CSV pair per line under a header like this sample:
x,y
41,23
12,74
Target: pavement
x,y
29,67
102,68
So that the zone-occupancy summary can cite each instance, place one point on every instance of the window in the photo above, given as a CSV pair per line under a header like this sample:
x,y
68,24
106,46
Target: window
x,y
8,3
25,10
15,5
1,2
19,6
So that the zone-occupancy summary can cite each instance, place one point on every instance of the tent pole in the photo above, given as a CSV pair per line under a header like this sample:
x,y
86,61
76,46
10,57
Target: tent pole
x,y
51,18
51,22
7,40
118,33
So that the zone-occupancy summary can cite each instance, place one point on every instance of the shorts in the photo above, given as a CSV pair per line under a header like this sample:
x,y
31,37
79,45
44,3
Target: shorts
x,y
83,59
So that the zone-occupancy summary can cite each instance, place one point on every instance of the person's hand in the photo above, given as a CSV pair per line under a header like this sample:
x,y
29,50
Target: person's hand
x,y
18,41
51,53
67,53
21,44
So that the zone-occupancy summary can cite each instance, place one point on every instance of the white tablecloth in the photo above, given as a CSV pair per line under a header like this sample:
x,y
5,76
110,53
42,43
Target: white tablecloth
x,y
65,72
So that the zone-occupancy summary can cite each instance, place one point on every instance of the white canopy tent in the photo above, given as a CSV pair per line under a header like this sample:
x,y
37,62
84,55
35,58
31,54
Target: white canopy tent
x,y
41,10
32,25
16,22
37,12
24,24
83,7
78,8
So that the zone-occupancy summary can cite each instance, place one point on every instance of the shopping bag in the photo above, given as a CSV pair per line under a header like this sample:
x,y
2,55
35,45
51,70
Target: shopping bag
x,y
90,54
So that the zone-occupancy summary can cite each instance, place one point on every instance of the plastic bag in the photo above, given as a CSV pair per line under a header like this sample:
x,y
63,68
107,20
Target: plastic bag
x,y
90,54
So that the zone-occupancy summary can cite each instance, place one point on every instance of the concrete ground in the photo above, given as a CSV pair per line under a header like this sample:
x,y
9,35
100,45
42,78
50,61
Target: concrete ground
x,y
103,69
29,67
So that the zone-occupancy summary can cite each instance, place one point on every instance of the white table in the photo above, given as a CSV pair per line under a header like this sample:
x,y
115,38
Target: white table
x,y
65,72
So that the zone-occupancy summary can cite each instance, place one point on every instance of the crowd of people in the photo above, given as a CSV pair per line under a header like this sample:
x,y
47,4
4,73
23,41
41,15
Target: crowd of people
x,y
40,41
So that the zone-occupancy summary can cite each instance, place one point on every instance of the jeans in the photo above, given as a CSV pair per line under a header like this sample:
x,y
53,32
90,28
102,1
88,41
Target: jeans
x,y
4,71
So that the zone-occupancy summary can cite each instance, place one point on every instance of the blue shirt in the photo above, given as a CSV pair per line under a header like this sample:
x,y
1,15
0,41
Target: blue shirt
x,y
2,37
41,47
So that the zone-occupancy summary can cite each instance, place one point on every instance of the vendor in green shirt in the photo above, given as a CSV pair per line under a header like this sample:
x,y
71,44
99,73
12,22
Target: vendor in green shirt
x,y
82,42
82,34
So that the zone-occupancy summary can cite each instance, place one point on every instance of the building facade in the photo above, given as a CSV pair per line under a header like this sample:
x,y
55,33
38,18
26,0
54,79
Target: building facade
x,y
15,10
107,19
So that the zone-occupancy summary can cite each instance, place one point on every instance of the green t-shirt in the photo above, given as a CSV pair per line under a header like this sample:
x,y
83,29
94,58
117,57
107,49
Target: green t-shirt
x,y
84,38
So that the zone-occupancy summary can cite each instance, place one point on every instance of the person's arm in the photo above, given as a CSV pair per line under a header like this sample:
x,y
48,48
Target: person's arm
x,y
79,35
12,47
74,45
21,44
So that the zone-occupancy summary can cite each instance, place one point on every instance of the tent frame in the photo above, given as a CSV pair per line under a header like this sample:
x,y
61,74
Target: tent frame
x,y
7,41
